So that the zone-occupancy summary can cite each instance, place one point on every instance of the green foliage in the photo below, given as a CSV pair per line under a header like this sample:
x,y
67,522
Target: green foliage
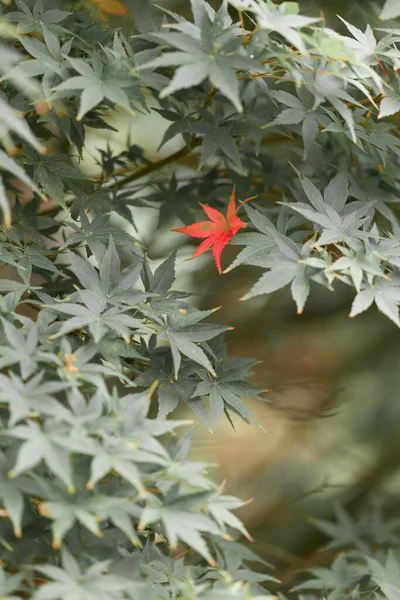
x,y
98,495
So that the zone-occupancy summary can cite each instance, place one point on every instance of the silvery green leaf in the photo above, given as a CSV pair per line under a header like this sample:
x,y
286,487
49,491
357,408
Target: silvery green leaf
x,y
390,10
271,281
337,191
389,105
186,76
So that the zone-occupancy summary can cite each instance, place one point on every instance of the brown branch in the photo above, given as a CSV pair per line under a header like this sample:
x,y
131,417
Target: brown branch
x,y
210,96
168,159
154,166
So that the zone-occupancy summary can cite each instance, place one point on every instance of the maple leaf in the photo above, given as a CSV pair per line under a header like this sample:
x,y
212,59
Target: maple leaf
x,y
217,232
110,7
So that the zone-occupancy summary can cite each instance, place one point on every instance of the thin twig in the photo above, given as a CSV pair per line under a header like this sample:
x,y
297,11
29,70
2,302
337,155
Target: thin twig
x,y
168,159
154,166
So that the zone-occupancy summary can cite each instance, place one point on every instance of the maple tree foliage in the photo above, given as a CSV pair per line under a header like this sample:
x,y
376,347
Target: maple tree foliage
x,y
100,352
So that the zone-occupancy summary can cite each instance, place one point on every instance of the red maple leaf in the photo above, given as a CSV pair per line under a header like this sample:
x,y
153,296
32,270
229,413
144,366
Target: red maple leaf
x,y
218,231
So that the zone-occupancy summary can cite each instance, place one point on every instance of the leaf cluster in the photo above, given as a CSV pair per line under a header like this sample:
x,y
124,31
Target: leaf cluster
x,y
99,497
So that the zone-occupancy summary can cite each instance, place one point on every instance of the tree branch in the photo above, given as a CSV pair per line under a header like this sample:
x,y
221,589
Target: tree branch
x,y
155,166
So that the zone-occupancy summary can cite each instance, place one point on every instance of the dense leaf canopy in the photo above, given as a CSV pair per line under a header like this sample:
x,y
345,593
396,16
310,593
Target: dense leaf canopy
x,y
98,495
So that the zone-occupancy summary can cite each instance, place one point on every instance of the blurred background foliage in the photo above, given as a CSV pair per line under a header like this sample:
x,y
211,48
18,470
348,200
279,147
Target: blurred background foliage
x,y
332,411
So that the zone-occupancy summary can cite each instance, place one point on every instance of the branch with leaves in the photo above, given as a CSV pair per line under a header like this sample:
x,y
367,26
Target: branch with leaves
x,y
99,497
